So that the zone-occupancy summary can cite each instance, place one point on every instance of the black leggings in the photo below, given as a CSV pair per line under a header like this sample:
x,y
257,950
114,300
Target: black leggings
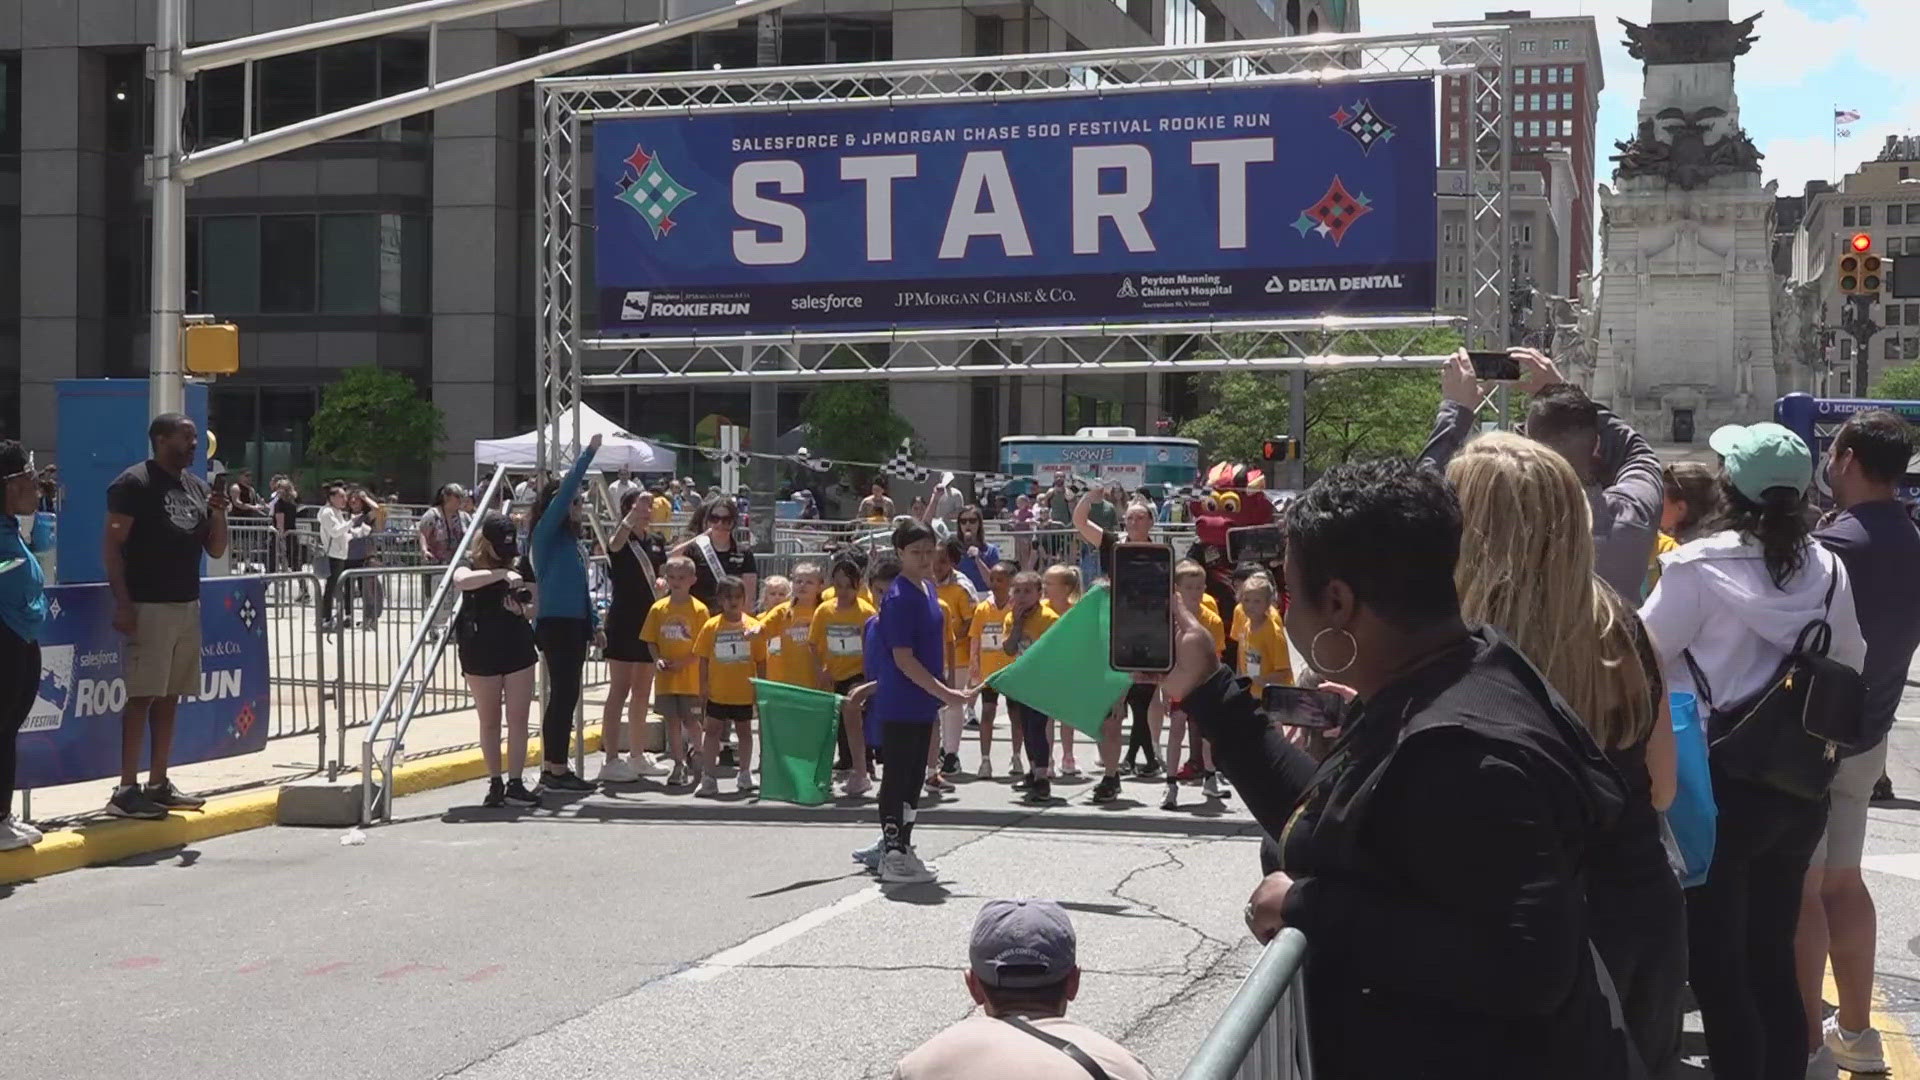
x,y
563,641
844,753
19,686
1034,728
335,568
1740,927
1140,700
905,747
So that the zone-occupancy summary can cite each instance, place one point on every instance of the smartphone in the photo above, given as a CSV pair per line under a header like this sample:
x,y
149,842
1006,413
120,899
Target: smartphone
x,y
1256,543
1495,366
1141,623
1295,707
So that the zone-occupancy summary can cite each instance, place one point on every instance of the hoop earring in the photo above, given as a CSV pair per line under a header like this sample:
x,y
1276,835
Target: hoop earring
x,y
1313,652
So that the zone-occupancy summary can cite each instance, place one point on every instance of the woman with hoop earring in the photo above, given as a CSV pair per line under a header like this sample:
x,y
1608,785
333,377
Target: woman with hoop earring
x,y
1435,859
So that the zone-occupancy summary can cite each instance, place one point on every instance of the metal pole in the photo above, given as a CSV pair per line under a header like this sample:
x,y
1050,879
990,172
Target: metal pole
x,y
763,397
1297,428
166,380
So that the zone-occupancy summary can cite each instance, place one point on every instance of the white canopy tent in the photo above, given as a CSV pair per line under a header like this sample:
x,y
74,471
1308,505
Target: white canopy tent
x,y
617,449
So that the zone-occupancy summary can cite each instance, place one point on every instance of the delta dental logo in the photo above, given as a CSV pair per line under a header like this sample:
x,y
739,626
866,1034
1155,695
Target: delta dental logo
x,y
651,191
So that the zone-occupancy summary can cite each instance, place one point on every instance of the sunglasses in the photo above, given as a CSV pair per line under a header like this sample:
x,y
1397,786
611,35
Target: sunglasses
x,y
724,519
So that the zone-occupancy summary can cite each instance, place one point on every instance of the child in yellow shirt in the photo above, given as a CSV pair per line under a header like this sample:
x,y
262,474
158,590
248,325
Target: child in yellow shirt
x,y
1190,585
837,637
1026,619
1264,658
731,653
672,625
1061,588
787,628
986,635
956,592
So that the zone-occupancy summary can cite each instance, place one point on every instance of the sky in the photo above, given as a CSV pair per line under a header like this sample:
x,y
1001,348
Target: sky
x,y
1812,55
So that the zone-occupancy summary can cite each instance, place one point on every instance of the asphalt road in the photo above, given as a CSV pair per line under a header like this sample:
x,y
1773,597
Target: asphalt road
x,y
635,935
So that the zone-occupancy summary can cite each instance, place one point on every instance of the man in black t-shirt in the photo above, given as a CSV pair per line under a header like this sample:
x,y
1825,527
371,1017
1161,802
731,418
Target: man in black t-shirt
x,y
160,520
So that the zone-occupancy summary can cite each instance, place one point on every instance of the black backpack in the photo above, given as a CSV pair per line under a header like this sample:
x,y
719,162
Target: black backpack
x,y
1790,734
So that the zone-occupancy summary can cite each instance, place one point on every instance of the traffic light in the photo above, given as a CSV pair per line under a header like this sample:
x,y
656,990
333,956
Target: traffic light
x,y
1862,273
1280,448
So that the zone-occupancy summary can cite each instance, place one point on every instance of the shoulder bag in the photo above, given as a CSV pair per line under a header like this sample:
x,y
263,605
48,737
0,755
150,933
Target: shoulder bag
x,y
1790,734
1084,1059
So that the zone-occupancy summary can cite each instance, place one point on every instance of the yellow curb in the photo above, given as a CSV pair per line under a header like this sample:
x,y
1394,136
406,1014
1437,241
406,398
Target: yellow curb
x,y
110,841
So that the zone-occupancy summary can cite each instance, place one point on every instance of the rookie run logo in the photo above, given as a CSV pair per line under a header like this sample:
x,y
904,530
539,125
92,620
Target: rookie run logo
x,y
651,191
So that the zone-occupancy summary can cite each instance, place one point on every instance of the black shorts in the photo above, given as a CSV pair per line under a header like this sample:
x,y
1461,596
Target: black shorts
x,y
845,686
735,713
629,649
495,646
990,696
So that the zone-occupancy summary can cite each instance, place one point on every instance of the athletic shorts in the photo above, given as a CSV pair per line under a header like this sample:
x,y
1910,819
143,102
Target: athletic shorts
x,y
718,710
990,696
163,658
679,706
1846,838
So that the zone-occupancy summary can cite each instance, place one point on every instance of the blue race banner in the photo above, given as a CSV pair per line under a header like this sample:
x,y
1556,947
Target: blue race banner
x,y
1167,204
73,732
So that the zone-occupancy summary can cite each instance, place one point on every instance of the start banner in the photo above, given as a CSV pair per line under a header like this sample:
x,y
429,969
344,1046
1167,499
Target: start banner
x,y
1127,206
73,732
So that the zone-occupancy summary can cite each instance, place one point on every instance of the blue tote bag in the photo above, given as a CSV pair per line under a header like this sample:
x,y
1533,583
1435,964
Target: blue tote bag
x,y
1692,817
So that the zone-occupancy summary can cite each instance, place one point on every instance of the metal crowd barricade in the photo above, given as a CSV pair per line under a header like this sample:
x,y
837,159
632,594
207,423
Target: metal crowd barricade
x,y
297,661
385,605
1262,1035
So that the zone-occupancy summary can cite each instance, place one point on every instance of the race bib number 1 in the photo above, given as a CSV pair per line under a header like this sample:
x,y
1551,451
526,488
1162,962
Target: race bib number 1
x,y
730,647
843,640
990,636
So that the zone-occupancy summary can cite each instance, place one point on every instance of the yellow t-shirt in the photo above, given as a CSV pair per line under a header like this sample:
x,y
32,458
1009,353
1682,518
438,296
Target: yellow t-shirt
x,y
1210,618
787,634
1048,604
1208,602
660,516
1038,619
1662,543
1263,649
948,626
838,638
733,658
672,627
959,599
865,597
988,634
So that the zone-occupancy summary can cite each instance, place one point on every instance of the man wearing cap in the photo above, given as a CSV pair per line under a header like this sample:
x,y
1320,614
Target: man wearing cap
x,y
1022,973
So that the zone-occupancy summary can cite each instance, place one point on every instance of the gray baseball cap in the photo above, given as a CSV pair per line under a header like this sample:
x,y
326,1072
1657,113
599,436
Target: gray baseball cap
x,y
1022,943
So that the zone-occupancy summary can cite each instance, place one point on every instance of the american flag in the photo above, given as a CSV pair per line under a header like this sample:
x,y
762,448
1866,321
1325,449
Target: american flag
x,y
1844,116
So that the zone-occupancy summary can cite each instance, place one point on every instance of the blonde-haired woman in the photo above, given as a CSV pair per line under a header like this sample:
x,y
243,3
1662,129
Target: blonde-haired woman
x,y
1526,569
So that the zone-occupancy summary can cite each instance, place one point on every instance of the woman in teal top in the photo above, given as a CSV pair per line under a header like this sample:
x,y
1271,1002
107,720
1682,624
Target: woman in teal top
x,y
564,623
23,611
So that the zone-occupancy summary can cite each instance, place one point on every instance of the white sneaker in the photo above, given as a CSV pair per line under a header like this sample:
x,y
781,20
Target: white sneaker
x,y
985,772
1016,767
15,833
858,784
869,857
617,771
36,835
1211,787
903,867
1820,1065
1856,1051
743,783
645,765
709,788
1069,767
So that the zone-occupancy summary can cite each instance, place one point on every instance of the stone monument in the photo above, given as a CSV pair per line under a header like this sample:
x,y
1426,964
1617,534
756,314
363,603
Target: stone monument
x,y
1686,332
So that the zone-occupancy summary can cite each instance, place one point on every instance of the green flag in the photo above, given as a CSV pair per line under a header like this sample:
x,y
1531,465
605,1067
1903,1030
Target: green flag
x,y
798,728
1065,674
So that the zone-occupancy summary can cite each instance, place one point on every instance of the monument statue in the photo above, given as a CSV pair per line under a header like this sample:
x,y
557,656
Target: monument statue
x,y
1686,330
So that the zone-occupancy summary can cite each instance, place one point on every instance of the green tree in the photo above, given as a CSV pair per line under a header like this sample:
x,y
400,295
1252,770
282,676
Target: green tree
x,y
1352,414
1897,384
852,421
375,425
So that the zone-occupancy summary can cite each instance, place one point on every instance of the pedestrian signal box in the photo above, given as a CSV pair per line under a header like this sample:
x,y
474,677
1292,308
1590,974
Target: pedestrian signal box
x,y
211,348
1280,448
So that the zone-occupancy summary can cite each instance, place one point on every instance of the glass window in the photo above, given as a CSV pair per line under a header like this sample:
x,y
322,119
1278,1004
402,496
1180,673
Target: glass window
x,y
416,260
286,89
1891,350
352,281
1453,132
1562,44
10,107
1894,215
287,264
1893,314
1529,46
230,265
1847,217
221,95
1911,347
1519,129
1566,74
1534,128
1913,314
1866,216
403,64
349,75
1913,213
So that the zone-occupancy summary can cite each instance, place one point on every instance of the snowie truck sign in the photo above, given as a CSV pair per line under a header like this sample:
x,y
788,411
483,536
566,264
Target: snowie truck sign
x,y
1152,205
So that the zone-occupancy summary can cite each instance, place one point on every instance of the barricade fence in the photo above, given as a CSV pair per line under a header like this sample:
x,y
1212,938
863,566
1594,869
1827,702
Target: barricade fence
x,y
1262,1034
296,660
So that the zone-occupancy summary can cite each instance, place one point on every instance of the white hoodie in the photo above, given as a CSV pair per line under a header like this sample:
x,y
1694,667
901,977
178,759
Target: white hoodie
x,y
1716,599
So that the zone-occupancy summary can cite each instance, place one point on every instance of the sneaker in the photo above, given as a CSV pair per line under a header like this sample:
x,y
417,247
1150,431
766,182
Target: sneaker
x,y
1127,768
950,763
743,783
518,795
1188,773
678,778
869,857
973,722
1039,790
985,771
1015,766
646,766
565,782
726,755
1172,801
1882,792
1148,771
857,785
617,771
842,765
15,833
165,794
1212,788
1023,781
1821,1066
1855,1051
709,788
902,867
1069,767
939,782
1108,789
496,794
129,801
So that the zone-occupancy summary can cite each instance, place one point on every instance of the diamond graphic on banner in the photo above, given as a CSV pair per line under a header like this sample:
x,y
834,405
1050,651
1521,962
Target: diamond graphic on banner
x,y
1334,214
652,192
1366,126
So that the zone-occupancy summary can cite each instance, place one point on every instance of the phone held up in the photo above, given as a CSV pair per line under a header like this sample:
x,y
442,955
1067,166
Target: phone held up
x,y
1494,366
1292,706
1140,636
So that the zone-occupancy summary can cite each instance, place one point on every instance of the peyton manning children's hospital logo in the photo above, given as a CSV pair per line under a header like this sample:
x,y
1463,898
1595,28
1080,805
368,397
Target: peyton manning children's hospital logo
x,y
56,689
651,191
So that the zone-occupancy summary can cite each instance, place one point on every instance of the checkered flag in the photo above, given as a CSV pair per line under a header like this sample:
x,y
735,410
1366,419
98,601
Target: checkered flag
x,y
1188,492
901,464
990,481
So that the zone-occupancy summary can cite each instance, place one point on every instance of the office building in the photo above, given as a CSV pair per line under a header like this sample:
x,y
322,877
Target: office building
x,y
1880,200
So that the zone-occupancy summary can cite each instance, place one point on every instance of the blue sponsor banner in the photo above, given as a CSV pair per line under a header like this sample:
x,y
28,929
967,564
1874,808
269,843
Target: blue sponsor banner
x,y
73,732
1818,420
1169,204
